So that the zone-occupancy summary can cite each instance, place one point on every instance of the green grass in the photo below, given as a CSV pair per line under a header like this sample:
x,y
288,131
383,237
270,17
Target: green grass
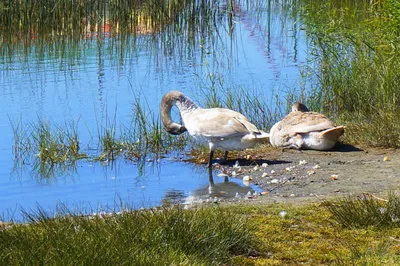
x,y
356,51
239,234
162,236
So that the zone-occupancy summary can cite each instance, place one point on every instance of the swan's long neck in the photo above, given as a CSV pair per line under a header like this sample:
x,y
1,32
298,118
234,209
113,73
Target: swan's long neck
x,y
184,104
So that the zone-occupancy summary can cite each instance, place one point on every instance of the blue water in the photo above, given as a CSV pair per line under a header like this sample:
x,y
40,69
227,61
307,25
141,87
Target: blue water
x,y
263,52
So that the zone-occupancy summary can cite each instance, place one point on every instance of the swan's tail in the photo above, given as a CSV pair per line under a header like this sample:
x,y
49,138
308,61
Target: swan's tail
x,y
256,137
333,133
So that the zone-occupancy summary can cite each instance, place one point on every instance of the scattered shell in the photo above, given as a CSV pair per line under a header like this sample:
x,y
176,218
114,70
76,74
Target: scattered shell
x,y
274,181
310,172
249,157
272,171
282,214
222,174
247,178
264,193
386,158
237,165
256,168
264,175
234,173
289,168
334,177
264,165
302,162
316,166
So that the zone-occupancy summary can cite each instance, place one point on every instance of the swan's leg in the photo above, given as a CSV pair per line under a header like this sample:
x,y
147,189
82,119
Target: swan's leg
x,y
210,159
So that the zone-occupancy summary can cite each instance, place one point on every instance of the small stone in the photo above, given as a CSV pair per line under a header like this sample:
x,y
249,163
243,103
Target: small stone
x,y
264,165
264,193
386,158
282,214
264,175
236,164
274,181
222,174
334,177
249,157
302,162
247,178
316,166
256,168
272,171
310,172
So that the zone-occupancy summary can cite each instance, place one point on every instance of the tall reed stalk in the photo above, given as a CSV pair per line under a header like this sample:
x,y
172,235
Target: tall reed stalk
x,y
357,55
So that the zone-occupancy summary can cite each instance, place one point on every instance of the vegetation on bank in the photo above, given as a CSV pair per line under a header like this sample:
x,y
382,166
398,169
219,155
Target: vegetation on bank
x,y
356,48
353,231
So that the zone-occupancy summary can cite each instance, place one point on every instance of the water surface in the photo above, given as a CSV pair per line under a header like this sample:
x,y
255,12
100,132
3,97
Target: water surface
x,y
95,80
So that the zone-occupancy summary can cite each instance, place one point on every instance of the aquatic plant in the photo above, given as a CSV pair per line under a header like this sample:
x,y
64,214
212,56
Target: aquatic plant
x,y
49,149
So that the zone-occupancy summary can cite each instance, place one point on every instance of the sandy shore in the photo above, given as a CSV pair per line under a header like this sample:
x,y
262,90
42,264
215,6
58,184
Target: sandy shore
x,y
299,176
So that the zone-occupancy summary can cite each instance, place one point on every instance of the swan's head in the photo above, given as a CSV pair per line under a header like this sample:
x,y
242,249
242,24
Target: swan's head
x,y
168,101
299,107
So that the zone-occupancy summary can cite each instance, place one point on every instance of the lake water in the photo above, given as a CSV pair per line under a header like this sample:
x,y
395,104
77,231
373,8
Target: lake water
x,y
96,79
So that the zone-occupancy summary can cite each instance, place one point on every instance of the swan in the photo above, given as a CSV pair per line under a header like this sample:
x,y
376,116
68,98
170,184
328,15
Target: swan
x,y
218,128
302,129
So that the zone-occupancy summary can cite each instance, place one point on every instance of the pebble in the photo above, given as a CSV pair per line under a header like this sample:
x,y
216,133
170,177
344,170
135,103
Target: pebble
x,y
334,177
317,166
264,165
302,162
272,171
274,181
264,175
386,158
282,214
247,178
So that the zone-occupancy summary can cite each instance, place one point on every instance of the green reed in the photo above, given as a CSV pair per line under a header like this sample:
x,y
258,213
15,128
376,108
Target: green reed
x,y
251,101
357,54
146,134
50,149
163,236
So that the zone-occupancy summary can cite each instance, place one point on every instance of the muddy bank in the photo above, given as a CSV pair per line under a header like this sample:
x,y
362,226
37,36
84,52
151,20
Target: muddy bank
x,y
298,176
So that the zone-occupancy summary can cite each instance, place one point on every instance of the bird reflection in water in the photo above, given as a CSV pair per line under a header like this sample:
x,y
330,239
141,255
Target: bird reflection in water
x,y
214,191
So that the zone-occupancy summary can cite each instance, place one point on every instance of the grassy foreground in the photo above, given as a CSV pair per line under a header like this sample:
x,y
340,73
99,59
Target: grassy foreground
x,y
242,234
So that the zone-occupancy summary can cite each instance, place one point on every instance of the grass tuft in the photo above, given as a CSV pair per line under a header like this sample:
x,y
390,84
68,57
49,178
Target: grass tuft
x,y
367,211
162,236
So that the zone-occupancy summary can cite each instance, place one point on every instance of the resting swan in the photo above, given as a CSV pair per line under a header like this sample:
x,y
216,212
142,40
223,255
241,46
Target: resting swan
x,y
219,128
302,129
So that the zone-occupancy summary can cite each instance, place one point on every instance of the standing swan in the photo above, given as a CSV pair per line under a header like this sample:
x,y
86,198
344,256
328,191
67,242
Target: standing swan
x,y
218,128
302,129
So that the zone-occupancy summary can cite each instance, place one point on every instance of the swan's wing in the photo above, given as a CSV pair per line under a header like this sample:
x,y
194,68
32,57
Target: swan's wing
x,y
300,122
221,123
